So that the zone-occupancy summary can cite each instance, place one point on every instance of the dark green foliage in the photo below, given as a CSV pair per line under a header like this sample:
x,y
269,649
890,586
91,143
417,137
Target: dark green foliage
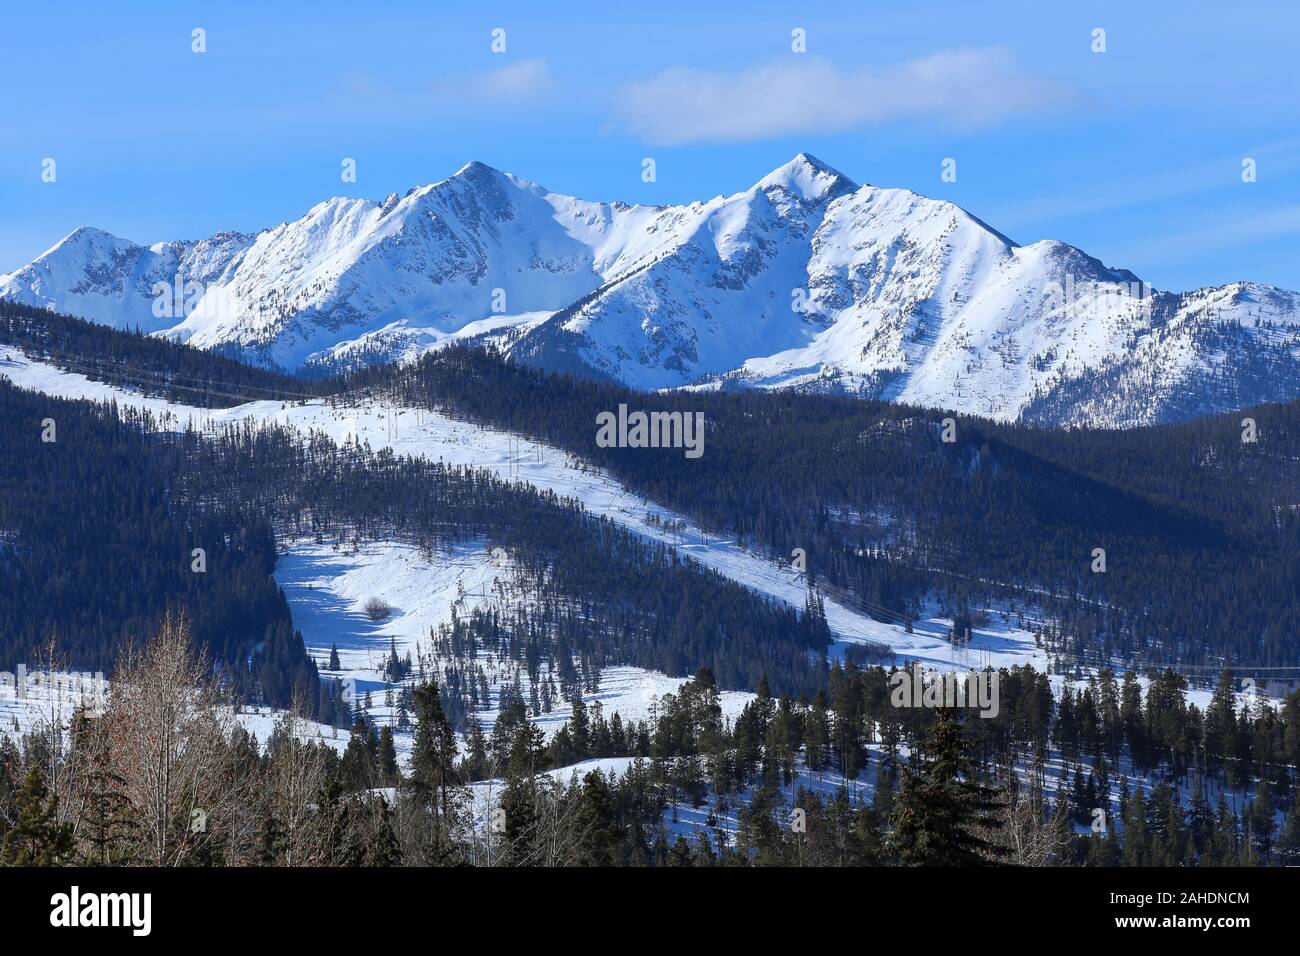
x,y
943,816
96,547
595,834
37,838
384,849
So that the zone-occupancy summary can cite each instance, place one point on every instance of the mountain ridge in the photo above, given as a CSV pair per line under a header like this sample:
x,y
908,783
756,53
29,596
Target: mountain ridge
x,y
804,280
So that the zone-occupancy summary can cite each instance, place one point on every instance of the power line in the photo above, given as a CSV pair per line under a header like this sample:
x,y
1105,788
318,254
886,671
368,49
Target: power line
x,y
153,378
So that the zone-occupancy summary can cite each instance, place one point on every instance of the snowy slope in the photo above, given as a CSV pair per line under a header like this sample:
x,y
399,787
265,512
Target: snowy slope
x,y
406,271
100,277
719,289
436,437
804,280
49,700
327,588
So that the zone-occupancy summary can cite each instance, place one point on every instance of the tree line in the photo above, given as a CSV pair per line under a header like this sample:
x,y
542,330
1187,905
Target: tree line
x,y
784,783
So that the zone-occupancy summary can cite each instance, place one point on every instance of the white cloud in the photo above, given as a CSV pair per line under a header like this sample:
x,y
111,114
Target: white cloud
x,y
964,88
518,81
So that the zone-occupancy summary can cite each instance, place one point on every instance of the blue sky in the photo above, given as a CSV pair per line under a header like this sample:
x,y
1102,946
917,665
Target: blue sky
x,y
1133,154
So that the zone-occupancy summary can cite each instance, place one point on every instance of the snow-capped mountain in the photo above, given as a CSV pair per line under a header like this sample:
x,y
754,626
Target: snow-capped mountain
x,y
805,280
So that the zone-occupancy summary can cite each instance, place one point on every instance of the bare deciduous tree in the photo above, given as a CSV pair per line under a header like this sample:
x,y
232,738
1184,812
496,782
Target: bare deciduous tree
x,y
171,731
1033,836
294,781
377,609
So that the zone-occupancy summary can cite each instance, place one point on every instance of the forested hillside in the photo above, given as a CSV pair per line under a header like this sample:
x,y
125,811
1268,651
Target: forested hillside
x,y
143,363
611,594
95,548
100,523
1200,529
1097,775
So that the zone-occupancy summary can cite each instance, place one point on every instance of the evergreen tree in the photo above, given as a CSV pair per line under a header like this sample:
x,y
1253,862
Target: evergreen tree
x,y
384,848
270,837
680,854
942,814
37,838
1137,849
595,834
1288,844
433,783
110,825
387,756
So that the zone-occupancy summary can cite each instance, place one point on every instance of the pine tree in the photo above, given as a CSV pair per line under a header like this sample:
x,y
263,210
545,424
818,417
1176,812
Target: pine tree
x,y
1137,845
387,756
762,832
37,838
1220,721
270,837
476,759
816,734
393,667
941,812
519,804
1288,844
384,849
1260,817
680,854
1200,819
593,822
433,783
110,824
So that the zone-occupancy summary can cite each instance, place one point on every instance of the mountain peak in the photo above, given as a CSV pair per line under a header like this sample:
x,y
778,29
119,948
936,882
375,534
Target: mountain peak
x,y
90,233
475,168
807,177
87,238
477,175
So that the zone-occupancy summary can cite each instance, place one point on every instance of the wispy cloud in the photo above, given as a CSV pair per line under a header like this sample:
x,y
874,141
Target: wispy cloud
x,y
1247,230
519,81
516,82
962,88
1138,188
